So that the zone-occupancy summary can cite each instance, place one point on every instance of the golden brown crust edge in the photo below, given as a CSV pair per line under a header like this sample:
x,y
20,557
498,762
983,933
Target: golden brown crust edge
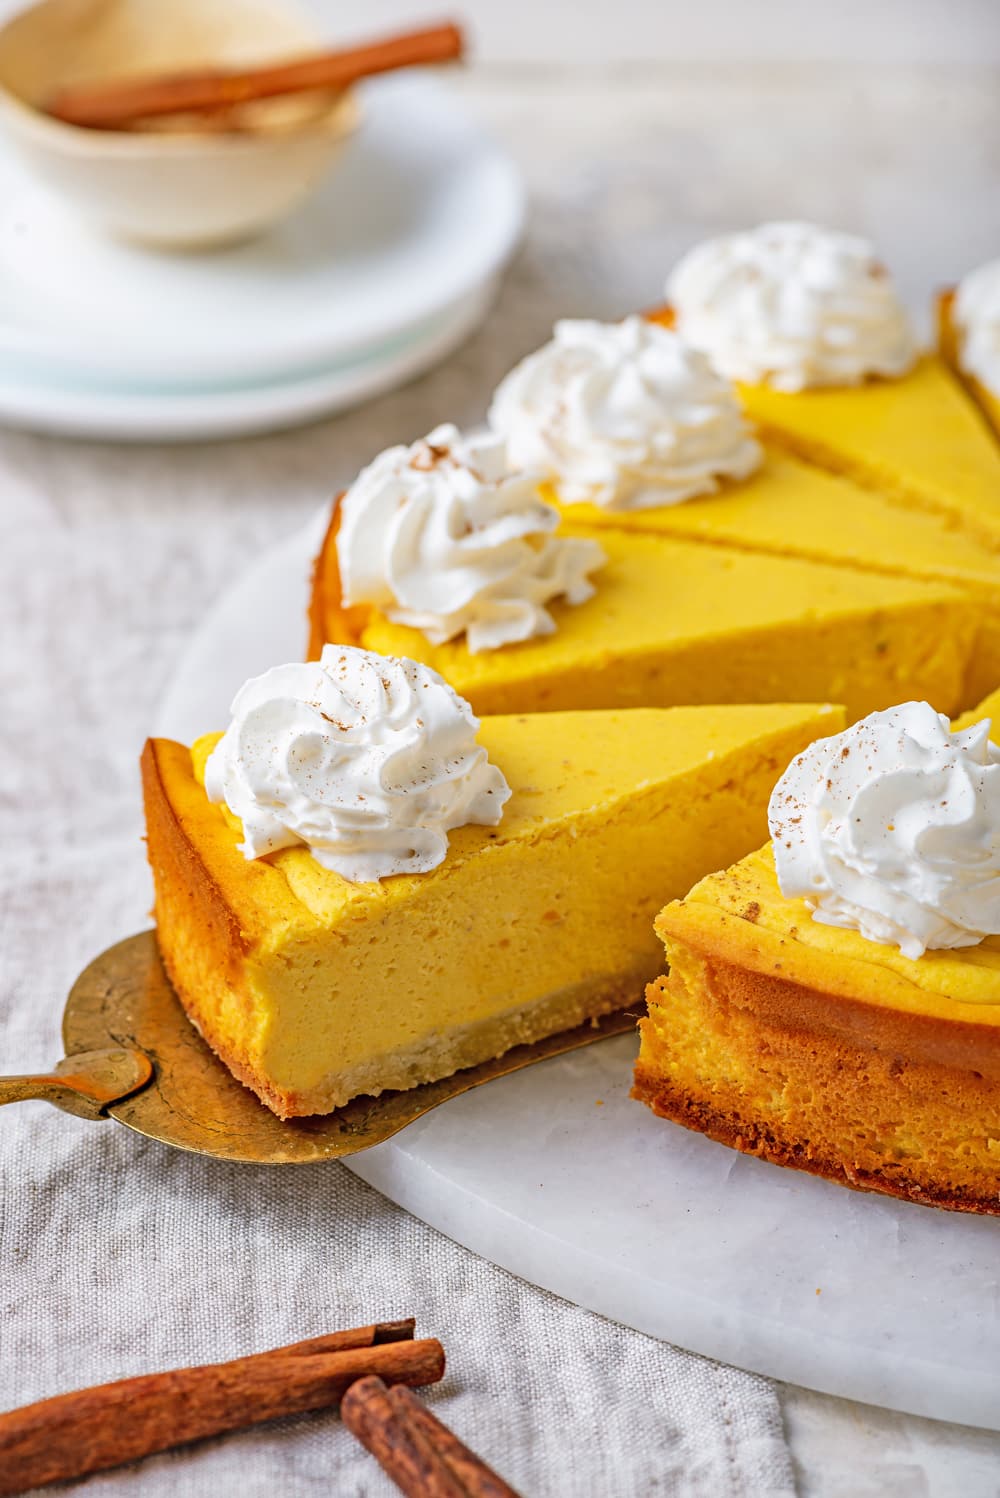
x,y
330,619
947,333
664,315
193,915
283,1103
755,1138
854,1106
178,869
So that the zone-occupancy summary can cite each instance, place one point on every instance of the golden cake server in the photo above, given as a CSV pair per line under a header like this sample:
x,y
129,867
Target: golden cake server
x,y
133,1055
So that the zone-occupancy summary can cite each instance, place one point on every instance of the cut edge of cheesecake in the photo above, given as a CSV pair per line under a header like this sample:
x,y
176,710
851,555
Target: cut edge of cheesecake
x,y
830,1059
981,524
933,634
327,610
231,930
758,516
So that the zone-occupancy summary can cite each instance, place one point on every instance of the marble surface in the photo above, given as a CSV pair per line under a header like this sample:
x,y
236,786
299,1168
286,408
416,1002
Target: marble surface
x,y
650,1224
625,168
846,1450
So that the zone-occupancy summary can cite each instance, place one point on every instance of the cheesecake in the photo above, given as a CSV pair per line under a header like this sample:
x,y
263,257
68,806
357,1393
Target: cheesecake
x,y
843,1017
968,325
628,620
344,931
789,508
632,431
808,324
918,440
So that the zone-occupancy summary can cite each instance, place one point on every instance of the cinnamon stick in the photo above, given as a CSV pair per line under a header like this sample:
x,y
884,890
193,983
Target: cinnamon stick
x,y
421,1455
358,1336
478,1479
92,1429
412,1463
116,105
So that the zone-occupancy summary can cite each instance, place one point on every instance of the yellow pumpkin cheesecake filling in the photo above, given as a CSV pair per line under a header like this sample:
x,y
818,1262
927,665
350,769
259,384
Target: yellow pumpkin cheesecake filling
x,y
356,901
813,1046
314,989
833,374
788,508
673,623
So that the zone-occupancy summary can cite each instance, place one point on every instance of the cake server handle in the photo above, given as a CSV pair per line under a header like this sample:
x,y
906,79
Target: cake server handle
x,y
85,1084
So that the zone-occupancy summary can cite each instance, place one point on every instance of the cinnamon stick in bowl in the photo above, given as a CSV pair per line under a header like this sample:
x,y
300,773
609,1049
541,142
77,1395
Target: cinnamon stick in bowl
x,y
118,105
92,1429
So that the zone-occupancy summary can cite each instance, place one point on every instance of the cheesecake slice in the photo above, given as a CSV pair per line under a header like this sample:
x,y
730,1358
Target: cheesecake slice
x,y
632,429
674,622
790,508
813,1046
918,440
808,322
314,989
989,707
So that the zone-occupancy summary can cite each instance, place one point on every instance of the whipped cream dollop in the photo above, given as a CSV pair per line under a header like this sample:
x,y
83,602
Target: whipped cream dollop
x,y
623,415
792,306
444,537
977,316
368,760
892,828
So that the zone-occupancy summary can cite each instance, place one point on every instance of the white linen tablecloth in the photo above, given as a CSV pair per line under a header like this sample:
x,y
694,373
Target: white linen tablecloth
x,y
118,1256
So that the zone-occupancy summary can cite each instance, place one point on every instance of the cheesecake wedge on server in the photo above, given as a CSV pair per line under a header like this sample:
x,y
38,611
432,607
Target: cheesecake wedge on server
x,y
358,887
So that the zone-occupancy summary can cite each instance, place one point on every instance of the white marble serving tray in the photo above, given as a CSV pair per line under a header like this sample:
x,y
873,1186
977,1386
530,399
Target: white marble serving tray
x,y
557,1175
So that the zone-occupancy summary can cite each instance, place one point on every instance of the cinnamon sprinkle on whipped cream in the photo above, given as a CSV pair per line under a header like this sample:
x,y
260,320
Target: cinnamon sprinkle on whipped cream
x,y
445,537
892,828
367,760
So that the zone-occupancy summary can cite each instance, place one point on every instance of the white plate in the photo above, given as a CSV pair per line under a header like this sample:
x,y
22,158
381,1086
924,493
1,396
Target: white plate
x,y
555,1174
423,211
110,414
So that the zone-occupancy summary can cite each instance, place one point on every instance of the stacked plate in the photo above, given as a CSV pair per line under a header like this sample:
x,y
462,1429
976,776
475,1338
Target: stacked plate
x,y
386,270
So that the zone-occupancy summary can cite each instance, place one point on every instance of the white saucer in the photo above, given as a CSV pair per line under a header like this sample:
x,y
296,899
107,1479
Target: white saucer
x,y
137,415
659,1228
422,214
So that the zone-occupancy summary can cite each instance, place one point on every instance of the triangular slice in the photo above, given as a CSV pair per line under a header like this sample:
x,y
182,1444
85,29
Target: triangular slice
x,y
313,989
675,622
791,508
919,440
